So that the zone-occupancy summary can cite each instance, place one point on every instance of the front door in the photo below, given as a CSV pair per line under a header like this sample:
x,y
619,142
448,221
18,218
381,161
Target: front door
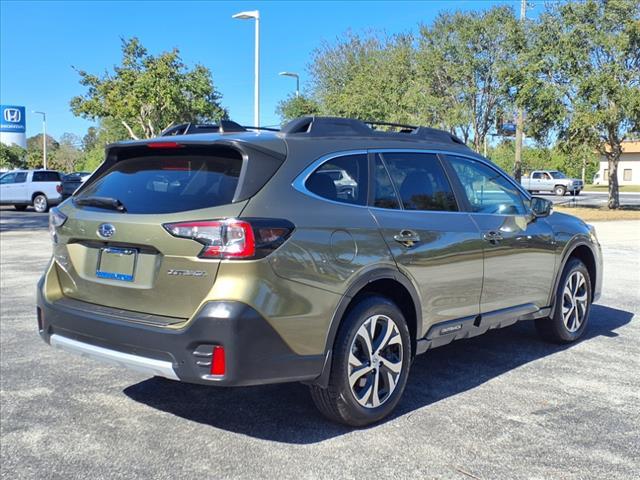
x,y
519,251
7,187
431,240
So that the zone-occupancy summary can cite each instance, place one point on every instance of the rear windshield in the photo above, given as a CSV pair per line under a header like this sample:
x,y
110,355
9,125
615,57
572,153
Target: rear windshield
x,y
170,183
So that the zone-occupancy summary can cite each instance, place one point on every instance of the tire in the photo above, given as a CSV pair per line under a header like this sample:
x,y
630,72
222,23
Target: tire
x,y
339,402
559,190
574,285
20,208
41,203
576,193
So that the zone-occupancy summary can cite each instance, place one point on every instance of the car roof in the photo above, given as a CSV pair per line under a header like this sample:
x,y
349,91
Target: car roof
x,y
324,133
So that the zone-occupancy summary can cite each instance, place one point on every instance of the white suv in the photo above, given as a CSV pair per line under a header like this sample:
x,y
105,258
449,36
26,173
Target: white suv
x,y
40,188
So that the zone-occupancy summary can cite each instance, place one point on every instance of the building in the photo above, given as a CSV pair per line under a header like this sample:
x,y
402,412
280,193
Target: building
x,y
13,126
628,166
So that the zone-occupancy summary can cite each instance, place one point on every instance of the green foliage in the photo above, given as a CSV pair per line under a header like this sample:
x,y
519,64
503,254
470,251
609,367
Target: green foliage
x,y
34,158
543,158
12,156
95,141
461,60
297,106
579,80
146,94
364,77
67,156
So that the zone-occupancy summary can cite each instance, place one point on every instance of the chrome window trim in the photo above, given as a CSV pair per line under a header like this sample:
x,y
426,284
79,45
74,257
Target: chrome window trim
x,y
299,182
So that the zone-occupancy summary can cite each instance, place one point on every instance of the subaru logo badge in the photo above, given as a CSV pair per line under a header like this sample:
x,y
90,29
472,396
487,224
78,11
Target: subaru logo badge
x,y
106,230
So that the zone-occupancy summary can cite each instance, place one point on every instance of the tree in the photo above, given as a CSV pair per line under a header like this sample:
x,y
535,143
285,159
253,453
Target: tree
x,y
34,151
460,63
67,156
147,94
96,139
364,77
297,106
580,79
12,156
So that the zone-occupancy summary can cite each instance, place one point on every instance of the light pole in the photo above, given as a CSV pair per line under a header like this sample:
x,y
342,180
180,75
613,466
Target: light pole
x,y
297,77
44,138
254,14
517,167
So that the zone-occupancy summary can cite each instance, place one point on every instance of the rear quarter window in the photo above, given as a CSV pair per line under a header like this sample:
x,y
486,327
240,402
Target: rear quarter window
x,y
342,179
46,177
170,182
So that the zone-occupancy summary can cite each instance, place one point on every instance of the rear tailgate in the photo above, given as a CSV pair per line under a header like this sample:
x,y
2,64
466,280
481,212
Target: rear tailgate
x,y
126,259
167,277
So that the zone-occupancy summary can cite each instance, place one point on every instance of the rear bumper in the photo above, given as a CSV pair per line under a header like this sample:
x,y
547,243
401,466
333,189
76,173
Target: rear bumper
x,y
254,353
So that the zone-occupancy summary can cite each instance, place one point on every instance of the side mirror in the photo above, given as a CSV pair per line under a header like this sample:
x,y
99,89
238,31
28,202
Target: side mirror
x,y
541,207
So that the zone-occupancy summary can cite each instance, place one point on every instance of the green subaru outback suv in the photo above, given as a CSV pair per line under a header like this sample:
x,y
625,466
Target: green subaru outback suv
x,y
331,252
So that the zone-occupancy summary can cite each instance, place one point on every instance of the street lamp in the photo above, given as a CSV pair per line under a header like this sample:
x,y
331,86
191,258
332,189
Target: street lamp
x,y
254,14
44,138
297,77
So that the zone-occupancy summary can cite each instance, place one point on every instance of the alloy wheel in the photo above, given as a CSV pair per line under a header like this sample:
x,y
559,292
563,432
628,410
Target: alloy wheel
x,y
40,204
375,361
574,301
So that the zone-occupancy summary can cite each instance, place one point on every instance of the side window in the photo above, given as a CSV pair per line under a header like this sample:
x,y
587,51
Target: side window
x,y
384,195
8,178
536,176
487,190
420,181
341,179
21,177
46,176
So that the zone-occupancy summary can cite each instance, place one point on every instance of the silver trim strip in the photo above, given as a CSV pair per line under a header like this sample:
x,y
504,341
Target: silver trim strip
x,y
145,365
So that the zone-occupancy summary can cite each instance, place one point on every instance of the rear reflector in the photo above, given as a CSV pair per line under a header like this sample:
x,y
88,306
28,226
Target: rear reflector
x,y
218,366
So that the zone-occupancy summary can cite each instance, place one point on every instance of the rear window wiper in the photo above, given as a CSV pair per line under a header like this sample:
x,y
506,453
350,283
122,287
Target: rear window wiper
x,y
101,202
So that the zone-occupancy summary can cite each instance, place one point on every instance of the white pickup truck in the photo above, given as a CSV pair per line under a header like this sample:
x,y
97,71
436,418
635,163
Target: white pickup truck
x,y
40,188
551,181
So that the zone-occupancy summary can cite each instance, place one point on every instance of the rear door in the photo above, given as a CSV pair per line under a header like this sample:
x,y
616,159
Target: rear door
x,y
519,251
126,258
47,182
432,241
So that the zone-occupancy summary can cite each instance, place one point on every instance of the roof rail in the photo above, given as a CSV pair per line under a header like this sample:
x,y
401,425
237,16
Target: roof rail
x,y
336,126
224,126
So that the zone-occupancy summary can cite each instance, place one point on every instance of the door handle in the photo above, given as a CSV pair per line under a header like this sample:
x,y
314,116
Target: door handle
x,y
407,237
493,237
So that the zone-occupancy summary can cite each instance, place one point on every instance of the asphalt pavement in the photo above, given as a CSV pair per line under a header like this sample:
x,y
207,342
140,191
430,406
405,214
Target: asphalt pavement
x,y
501,406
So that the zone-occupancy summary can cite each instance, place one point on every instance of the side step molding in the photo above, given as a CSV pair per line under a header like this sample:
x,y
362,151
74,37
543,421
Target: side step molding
x,y
444,333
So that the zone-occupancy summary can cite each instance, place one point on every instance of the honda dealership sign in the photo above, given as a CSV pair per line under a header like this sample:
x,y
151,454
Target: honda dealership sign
x,y
13,125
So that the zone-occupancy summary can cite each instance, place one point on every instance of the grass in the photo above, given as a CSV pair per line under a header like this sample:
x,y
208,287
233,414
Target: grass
x,y
605,188
594,214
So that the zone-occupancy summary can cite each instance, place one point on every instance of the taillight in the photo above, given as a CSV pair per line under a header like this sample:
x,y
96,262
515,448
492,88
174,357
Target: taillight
x,y
59,188
232,238
56,220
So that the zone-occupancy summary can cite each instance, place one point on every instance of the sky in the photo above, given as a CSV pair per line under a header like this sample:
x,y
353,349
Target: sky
x,y
41,42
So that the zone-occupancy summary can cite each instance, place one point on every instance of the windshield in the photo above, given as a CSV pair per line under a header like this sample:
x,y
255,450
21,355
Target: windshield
x,y
557,174
167,183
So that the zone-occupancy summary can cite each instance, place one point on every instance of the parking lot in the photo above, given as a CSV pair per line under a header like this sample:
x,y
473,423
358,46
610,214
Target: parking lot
x,y
504,405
